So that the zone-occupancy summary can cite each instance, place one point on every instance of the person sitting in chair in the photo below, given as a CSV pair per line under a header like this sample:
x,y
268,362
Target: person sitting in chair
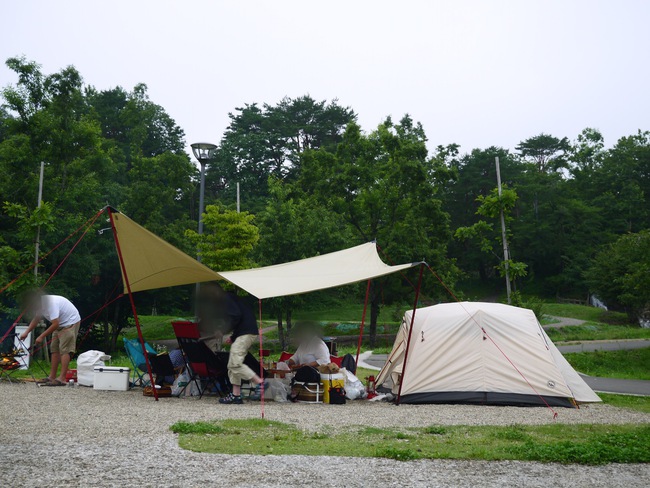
x,y
312,350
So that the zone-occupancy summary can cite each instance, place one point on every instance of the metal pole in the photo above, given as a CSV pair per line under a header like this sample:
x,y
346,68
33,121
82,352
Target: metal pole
x,y
363,321
201,210
408,341
133,308
37,243
238,209
506,254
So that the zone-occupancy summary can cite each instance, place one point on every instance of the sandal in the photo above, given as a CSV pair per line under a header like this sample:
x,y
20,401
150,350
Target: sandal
x,y
231,399
44,380
54,383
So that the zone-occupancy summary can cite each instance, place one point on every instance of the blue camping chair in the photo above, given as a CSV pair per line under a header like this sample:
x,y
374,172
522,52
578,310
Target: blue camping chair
x,y
134,352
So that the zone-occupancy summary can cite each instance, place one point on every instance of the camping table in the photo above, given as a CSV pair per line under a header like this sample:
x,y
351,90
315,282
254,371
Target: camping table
x,y
280,373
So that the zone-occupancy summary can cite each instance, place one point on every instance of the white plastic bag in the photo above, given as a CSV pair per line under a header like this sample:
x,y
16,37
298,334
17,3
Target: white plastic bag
x,y
277,391
180,382
86,363
354,388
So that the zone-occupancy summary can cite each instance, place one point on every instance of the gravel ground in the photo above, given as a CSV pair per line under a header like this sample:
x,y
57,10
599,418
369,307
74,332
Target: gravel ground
x,y
122,439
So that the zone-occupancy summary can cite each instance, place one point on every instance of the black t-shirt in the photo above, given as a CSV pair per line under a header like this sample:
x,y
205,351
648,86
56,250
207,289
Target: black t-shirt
x,y
242,319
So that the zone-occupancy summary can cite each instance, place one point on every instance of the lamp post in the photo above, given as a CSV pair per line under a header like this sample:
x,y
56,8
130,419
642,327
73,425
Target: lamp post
x,y
203,152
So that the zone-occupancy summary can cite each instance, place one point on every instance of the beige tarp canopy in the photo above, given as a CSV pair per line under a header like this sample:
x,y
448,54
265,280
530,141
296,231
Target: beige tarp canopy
x,y
152,263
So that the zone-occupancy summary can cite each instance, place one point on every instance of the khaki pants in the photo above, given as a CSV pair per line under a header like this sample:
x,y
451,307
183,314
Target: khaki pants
x,y
237,370
64,341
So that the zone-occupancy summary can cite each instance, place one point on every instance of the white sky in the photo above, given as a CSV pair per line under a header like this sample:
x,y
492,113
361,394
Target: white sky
x,y
477,73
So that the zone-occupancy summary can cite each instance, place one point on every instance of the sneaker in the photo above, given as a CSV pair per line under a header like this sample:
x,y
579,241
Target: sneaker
x,y
257,393
231,399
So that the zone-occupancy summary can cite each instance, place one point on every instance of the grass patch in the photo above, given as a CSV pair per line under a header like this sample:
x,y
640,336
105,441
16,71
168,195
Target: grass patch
x,y
582,444
583,312
595,331
631,365
154,328
638,403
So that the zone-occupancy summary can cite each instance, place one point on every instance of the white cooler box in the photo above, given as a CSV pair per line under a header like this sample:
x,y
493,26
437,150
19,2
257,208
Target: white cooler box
x,y
111,378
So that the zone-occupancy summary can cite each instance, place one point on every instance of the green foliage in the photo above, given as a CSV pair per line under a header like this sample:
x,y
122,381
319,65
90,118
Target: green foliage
x,y
630,365
620,274
594,331
228,239
560,443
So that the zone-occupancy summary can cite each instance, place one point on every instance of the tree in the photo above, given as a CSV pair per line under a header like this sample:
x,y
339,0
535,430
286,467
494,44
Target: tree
x,y
484,232
267,141
546,152
385,188
228,239
620,275
295,226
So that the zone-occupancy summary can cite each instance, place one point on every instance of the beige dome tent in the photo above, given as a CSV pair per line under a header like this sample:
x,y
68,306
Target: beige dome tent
x,y
482,353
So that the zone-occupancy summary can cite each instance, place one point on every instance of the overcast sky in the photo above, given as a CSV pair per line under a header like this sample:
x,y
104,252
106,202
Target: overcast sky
x,y
477,73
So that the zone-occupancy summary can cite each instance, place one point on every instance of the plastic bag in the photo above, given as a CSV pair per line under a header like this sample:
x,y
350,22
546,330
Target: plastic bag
x,y
180,382
86,363
192,389
354,388
277,391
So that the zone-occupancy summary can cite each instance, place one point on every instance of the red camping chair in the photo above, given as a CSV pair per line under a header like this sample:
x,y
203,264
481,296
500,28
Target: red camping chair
x,y
203,363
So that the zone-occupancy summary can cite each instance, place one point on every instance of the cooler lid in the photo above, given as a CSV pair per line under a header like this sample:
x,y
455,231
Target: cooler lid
x,y
111,369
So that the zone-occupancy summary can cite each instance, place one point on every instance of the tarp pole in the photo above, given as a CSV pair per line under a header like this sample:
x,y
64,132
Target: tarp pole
x,y
363,321
408,342
259,301
135,312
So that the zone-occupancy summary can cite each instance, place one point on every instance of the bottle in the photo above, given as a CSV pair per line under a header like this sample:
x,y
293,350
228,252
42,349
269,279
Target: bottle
x,y
71,383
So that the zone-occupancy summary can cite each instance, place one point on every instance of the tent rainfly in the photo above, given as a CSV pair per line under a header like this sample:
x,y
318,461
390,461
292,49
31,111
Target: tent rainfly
x,y
453,358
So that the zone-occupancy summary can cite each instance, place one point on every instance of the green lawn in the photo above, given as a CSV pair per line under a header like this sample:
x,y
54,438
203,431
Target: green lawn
x,y
154,328
582,444
631,365
594,331
584,312
638,403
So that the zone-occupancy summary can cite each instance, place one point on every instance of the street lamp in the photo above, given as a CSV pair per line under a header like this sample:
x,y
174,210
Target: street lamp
x,y
203,152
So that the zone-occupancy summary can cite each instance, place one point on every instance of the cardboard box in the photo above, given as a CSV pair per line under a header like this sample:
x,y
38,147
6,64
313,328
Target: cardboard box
x,y
111,378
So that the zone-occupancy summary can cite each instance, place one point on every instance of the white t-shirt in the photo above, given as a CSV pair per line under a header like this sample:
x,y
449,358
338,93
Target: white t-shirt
x,y
57,307
312,350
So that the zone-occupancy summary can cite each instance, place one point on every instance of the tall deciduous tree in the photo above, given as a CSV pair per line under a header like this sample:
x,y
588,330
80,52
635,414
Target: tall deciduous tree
x,y
386,188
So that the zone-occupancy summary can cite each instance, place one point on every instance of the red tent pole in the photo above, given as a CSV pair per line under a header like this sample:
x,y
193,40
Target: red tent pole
x,y
408,342
261,358
363,321
135,312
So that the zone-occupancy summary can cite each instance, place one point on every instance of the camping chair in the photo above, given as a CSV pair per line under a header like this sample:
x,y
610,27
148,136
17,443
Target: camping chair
x,y
250,361
134,352
203,364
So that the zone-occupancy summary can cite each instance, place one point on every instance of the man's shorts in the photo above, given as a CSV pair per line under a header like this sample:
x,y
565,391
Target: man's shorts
x,y
64,341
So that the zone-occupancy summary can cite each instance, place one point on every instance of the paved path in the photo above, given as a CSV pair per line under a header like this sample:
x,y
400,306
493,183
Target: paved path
x,y
563,322
591,346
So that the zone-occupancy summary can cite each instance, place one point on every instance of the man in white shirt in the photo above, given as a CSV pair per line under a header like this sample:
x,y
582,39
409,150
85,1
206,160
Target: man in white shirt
x,y
312,351
65,319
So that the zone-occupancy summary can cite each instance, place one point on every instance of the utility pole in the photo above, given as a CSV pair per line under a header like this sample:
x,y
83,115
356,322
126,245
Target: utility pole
x,y
506,254
238,197
37,242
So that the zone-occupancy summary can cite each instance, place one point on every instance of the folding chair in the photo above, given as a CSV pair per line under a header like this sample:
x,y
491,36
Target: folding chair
x,y
134,352
204,365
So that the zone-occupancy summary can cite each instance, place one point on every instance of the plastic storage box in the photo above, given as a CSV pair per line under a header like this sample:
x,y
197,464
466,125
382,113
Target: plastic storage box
x,y
111,378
